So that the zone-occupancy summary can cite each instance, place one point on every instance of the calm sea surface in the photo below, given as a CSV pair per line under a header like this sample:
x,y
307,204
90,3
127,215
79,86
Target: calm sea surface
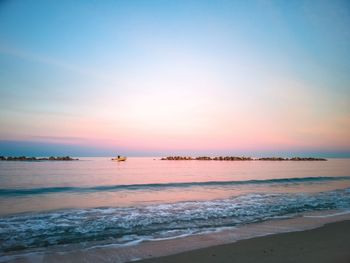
x,y
95,200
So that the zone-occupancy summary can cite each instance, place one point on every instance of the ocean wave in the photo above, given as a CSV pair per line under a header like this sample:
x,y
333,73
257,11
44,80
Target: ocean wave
x,y
10,192
122,225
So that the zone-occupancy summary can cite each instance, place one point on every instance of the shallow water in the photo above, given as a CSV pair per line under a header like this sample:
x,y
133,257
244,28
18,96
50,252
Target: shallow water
x,y
45,204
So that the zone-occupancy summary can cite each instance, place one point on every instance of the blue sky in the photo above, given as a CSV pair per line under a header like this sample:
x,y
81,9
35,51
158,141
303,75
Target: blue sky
x,y
153,77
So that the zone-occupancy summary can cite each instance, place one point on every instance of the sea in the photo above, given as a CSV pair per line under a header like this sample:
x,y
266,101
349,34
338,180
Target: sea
x,y
95,202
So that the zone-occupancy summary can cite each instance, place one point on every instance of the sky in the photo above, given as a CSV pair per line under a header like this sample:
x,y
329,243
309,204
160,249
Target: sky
x,y
152,78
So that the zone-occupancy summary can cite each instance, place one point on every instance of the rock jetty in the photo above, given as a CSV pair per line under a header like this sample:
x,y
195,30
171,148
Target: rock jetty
x,y
291,159
206,158
239,158
24,158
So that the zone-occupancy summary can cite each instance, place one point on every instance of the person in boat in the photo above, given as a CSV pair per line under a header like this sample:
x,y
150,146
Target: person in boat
x,y
119,158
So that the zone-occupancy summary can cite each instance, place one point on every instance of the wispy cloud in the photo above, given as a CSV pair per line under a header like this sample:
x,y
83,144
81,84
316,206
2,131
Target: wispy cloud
x,y
38,58
59,138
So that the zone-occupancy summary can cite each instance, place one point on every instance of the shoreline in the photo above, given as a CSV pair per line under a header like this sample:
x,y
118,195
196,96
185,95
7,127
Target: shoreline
x,y
171,249
325,244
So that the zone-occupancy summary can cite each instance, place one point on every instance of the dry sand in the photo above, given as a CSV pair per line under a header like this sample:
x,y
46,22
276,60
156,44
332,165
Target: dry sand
x,y
330,243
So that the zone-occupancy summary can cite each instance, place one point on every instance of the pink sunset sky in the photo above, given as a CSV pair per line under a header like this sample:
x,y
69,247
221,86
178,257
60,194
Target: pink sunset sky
x,y
155,79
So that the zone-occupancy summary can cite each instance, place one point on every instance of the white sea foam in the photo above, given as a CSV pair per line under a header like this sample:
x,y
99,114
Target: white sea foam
x,y
130,225
329,215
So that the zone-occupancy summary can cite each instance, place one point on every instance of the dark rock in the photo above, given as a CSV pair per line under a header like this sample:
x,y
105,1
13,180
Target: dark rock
x,y
24,158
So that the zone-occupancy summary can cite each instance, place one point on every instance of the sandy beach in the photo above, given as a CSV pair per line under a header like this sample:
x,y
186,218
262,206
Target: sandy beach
x,y
329,243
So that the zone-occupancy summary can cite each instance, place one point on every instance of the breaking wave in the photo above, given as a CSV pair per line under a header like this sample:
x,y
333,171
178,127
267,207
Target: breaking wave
x,y
121,225
49,190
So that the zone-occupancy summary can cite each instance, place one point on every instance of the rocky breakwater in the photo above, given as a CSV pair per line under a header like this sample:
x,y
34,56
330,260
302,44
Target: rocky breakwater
x,y
239,158
207,158
24,158
291,159
177,158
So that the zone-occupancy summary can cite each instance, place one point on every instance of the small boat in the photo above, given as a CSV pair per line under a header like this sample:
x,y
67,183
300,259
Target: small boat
x,y
119,159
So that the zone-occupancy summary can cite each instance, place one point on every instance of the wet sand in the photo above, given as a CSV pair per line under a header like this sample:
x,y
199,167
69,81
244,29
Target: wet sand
x,y
330,243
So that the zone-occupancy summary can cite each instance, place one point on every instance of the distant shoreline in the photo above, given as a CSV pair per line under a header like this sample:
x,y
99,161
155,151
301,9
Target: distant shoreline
x,y
171,158
239,158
